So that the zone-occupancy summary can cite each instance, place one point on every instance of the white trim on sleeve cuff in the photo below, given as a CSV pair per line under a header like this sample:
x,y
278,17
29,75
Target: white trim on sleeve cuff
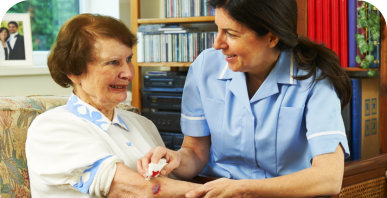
x,y
192,118
326,133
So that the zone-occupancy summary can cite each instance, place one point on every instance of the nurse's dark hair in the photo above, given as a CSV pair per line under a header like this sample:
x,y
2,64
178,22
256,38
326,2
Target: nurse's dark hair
x,y
280,18
74,45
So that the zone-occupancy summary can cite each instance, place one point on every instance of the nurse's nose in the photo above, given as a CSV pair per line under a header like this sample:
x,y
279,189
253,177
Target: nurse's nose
x,y
220,41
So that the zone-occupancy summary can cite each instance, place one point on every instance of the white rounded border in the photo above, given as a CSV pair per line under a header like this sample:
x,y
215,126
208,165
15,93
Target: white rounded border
x,y
381,5
6,5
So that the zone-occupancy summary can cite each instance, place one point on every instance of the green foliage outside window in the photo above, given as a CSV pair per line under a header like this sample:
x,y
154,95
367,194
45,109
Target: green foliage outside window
x,y
47,16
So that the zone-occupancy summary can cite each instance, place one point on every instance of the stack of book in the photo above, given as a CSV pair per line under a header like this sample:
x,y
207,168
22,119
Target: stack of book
x,y
186,8
171,43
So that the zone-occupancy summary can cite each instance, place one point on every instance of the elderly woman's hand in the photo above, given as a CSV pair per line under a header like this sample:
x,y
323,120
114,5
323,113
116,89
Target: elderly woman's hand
x,y
154,155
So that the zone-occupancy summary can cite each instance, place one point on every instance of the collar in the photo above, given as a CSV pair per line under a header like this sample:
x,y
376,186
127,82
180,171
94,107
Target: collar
x,y
13,35
282,72
88,112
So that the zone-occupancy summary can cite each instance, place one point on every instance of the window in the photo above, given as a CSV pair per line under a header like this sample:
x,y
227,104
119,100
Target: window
x,y
47,16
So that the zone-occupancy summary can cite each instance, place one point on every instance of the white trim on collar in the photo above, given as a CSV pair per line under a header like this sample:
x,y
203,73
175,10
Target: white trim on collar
x,y
221,76
291,79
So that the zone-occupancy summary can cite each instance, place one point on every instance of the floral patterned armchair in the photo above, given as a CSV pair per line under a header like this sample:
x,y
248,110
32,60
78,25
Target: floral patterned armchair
x,y
16,115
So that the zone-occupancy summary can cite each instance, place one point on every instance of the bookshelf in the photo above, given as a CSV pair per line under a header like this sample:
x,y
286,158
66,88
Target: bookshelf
x,y
302,30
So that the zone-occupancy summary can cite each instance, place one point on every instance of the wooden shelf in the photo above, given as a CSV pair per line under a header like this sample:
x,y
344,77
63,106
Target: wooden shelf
x,y
165,64
357,72
357,69
177,20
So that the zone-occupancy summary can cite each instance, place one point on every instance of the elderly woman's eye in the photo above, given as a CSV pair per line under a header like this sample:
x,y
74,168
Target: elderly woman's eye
x,y
114,62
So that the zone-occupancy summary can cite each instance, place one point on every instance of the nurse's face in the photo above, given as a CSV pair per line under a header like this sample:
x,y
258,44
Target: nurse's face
x,y
244,50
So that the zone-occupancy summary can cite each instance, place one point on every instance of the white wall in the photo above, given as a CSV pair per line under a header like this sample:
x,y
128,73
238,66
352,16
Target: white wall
x,y
24,81
104,7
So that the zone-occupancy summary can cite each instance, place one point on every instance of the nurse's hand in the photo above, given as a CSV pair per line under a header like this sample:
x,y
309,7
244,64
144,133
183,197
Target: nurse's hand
x,y
218,188
154,155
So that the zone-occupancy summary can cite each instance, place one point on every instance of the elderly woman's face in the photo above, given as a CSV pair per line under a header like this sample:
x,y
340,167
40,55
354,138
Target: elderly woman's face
x,y
105,83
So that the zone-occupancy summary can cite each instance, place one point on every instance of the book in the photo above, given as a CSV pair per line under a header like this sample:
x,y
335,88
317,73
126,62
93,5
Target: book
x,y
140,47
370,135
335,9
356,119
319,21
365,118
344,33
346,114
327,23
352,15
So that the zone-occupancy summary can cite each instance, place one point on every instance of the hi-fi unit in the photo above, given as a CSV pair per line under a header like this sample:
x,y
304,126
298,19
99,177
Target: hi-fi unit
x,y
164,120
162,79
172,140
161,99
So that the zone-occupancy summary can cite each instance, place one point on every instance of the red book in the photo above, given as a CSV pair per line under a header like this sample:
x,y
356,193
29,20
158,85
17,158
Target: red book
x,y
335,5
327,23
344,33
319,21
312,20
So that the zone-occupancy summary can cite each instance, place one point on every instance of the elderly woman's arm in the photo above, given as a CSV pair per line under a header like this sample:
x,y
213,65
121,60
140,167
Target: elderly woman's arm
x,y
127,182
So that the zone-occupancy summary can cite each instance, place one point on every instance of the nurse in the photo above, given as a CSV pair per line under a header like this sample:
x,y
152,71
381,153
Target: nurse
x,y
262,110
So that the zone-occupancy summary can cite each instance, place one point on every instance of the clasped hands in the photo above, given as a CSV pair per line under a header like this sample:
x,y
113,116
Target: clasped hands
x,y
218,188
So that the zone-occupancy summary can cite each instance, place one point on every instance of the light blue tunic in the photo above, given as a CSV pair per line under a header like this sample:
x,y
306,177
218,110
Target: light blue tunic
x,y
276,132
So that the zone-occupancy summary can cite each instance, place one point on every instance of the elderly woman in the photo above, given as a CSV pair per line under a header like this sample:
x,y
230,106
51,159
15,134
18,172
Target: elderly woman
x,y
88,147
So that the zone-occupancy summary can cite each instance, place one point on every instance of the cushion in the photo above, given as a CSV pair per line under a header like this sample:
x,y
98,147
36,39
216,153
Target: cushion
x,y
16,115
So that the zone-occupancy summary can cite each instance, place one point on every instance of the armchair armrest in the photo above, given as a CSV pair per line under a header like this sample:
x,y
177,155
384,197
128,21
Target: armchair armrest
x,y
365,178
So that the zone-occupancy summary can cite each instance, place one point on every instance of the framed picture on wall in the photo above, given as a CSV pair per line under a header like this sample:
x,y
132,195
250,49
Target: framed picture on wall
x,y
16,40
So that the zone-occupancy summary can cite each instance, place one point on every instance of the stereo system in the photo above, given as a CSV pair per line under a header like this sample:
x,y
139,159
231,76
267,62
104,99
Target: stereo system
x,y
161,103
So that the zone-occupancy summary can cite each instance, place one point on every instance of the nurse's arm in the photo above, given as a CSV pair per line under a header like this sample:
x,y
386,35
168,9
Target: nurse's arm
x,y
128,183
324,177
194,153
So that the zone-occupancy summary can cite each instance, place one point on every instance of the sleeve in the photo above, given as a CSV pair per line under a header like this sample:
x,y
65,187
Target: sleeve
x,y
324,122
193,121
63,150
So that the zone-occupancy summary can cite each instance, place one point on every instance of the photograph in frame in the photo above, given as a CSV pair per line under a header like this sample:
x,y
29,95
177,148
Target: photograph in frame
x,y
16,40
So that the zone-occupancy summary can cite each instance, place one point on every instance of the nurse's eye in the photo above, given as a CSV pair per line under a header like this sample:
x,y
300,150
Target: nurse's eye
x,y
231,35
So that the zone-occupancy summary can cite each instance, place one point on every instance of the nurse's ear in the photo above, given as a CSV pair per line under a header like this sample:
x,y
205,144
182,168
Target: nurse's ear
x,y
273,40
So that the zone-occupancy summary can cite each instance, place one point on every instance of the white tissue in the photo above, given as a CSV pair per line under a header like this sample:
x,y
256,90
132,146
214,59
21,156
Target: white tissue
x,y
155,169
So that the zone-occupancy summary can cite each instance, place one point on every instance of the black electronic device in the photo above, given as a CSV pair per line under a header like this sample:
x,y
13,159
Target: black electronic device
x,y
164,120
172,140
165,79
162,101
